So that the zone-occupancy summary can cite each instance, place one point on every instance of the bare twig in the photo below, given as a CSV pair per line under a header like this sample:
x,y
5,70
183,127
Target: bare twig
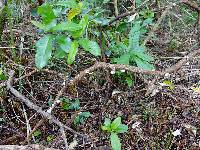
x,y
56,102
37,108
192,5
28,147
155,27
31,73
121,16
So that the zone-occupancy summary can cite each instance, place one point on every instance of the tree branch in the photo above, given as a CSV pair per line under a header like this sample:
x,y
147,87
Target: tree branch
x,y
192,5
37,108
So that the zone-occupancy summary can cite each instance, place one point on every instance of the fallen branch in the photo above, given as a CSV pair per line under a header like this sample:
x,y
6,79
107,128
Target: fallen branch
x,y
25,147
121,16
35,70
192,5
38,109
133,69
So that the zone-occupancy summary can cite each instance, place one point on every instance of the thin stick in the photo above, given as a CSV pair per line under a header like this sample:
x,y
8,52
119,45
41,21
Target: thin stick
x,y
155,27
37,108
192,5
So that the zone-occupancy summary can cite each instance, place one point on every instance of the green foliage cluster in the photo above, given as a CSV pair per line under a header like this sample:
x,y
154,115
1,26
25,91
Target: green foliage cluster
x,y
63,35
67,25
133,52
68,104
114,128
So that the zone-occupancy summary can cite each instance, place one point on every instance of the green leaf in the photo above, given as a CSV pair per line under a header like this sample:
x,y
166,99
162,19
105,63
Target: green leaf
x,y
44,27
143,64
129,81
123,59
147,13
38,24
115,124
37,133
60,53
72,52
102,21
2,76
74,11
147,21
46,12
43,52
81,117
138,2
90,46
115,141
57,11
105,128
107,122
122,128
50,138
169,84
67,26
83,23
143,56
75,105
67,3
64,43
134,36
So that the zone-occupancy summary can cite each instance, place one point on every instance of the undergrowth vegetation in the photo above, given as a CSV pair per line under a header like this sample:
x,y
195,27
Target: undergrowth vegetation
x,y
100,74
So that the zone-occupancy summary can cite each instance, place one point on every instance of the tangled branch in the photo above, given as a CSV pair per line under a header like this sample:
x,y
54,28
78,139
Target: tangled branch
x,y
38,109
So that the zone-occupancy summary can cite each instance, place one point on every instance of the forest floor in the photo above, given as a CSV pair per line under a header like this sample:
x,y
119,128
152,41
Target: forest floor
x,y
167,119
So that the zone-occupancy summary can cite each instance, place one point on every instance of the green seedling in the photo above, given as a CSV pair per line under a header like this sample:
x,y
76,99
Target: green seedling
x,y
37,133
50,138
114,128
70,105
81,117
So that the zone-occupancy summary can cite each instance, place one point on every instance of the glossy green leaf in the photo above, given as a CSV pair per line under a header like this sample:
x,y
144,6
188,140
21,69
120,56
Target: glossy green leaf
x,y
143,56
46,12
106,126
57,11
107,122
115,124
122,128
90,46
60,53
147,21
74,11
72,52
67,26
129,81
38,24
43,52
44,27
83,23
123,59
134,36
64,43
115,141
